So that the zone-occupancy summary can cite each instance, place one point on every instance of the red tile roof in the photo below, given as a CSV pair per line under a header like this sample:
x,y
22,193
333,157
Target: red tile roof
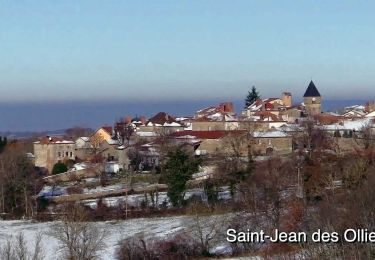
x,y
266,114
327,119
161,118
108,129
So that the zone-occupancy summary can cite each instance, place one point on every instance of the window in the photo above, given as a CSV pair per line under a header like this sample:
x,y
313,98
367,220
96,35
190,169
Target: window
x,y
71,154
59,154
67,154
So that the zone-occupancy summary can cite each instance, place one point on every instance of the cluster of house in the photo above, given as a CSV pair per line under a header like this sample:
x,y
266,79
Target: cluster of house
x,y
271,124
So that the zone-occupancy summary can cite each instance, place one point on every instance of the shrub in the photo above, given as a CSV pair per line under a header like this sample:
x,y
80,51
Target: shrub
x,y
59,168
177,247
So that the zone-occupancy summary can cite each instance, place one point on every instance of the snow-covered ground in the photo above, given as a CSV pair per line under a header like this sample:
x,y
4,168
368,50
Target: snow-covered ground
x,y
115,230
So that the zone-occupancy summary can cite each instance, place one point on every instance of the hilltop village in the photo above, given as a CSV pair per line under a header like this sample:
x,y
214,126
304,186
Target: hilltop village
x,y
275,126
98,165
274,165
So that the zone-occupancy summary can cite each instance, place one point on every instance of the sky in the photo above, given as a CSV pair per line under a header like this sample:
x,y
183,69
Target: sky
x,y
148,51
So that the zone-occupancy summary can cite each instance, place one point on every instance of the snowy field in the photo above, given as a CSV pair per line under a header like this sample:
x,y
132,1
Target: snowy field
x,y
115,230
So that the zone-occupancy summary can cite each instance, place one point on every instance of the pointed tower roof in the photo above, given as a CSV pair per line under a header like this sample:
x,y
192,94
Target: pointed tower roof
x,y
311,91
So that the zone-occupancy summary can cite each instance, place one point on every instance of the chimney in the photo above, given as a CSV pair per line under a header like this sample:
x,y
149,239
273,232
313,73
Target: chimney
x,y
228,107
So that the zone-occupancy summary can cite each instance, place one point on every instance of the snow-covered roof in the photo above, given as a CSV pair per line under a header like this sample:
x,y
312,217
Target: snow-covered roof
x,y
182,118
230,118
358,113
270,134
290,128
355,107
172,124
64,142
333,114
355,125
112,141
146,134
54,142
372,114
188,126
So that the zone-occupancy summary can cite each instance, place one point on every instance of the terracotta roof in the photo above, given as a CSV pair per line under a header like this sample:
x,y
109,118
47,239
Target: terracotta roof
x,y
161,118
266,114
327,119
207,134
108,129
225,107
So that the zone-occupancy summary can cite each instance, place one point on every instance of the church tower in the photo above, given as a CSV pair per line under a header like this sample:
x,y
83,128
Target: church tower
x,y
312,100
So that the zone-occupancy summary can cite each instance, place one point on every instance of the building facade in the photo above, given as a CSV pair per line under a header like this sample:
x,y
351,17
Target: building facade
x,y
50,150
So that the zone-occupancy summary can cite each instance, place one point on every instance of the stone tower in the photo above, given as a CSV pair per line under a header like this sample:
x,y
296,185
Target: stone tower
x,y
312,100
286,97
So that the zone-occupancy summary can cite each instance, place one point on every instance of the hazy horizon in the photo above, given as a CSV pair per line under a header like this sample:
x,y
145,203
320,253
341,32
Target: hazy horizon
x,y
47,116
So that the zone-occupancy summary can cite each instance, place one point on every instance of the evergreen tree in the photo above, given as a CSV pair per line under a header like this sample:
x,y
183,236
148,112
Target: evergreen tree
x,y
3,143
211,191
178,170
251,96
59,168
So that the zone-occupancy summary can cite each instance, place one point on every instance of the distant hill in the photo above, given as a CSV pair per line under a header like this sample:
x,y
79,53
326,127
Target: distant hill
x,y
29,134
25,120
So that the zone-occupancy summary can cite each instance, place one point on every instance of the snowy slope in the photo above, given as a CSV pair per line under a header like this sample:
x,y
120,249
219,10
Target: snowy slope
x,y
116,230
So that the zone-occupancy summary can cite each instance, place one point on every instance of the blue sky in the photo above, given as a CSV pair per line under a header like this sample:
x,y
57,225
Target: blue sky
x,y
180,50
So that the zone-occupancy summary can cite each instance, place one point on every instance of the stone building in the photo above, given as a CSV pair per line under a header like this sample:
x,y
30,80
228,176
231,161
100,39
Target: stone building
x,y
50,150
286,97
312,100
213,142
83,148
227,123
272,142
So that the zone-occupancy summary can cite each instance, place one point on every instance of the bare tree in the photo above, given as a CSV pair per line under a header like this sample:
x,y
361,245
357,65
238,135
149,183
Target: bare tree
x,y
314,138
123,132
38,253
7,250
16,249
164,145
18,182
78,238
96,142
21,247
207,230
368,138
